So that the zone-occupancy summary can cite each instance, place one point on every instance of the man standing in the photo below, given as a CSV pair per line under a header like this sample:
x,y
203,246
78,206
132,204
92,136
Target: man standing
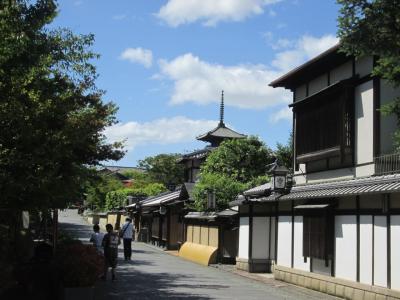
x,y
126,233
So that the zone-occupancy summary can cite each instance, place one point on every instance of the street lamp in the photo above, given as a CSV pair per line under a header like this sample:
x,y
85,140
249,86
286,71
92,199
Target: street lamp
x,y
211,199
279,177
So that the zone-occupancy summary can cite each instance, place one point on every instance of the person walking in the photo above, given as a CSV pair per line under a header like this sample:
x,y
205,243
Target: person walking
x,y
110,244
126,234
97,238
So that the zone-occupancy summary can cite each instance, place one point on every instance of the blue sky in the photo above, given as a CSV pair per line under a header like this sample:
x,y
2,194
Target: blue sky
x,y
165,62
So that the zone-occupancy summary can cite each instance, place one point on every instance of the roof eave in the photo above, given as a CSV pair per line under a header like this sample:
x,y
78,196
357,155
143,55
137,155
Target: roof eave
x,y
284,80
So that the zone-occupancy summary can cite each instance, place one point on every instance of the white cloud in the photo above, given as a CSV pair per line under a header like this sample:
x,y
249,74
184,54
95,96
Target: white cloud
x,y
210,12
245,85
303,49
138,55
161,131
197,81
285,114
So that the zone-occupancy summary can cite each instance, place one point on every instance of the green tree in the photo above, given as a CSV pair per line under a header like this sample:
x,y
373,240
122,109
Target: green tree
x,y
225,188
52,115
140,178
240,159
284,153
233,167
163,168
118,198
115,200
372,28
98,188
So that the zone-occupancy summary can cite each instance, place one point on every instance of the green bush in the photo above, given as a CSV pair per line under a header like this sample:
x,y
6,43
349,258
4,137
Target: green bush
x,y
79,265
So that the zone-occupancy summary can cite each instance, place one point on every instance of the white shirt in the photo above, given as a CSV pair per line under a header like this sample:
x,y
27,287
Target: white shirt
x,y
97,238
128,232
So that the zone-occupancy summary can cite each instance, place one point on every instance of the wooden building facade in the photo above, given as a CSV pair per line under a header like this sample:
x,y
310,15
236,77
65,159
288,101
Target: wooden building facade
x,y
339,226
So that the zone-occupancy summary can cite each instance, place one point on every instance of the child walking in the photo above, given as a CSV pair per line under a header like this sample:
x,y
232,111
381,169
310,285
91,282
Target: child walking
x,y
110,244
97,238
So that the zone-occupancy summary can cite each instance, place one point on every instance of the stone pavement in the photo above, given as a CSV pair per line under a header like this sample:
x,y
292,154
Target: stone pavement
x,y
154,274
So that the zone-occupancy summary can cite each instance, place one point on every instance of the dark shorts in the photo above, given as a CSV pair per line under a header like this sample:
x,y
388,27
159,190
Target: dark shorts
x,y
111,261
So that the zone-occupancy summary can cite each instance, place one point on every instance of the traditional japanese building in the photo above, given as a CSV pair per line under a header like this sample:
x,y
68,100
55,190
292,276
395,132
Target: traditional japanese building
x,y
210,237
338,229
160,219
193,160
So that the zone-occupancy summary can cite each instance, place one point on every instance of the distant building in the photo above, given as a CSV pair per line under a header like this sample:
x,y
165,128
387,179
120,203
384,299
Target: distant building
x,y
117,173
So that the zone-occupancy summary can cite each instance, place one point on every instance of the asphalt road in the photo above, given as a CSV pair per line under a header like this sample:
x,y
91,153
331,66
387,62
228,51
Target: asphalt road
x,y
154,274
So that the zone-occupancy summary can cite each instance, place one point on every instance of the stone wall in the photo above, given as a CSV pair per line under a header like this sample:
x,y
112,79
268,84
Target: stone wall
x,y
334,286
255,265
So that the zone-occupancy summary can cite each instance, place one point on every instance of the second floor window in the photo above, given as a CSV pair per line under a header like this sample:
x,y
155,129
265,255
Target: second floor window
x,y
324,126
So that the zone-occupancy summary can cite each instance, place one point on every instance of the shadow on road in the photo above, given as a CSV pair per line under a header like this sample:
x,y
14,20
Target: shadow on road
x,y
134,284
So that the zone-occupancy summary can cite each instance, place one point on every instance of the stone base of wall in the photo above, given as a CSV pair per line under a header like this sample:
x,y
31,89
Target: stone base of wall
x,y
334,286
255,265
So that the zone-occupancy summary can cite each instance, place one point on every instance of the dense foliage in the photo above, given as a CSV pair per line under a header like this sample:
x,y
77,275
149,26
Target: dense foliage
x,y
118,198
164,169
98,188
233,167
284,153
225,188
372,28
240,159
52,115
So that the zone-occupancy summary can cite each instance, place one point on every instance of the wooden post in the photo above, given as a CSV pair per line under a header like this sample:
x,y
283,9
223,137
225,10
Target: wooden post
x,y
55,229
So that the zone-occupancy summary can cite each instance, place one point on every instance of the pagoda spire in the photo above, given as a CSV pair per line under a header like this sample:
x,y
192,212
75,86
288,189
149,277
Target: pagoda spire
x,y
221,111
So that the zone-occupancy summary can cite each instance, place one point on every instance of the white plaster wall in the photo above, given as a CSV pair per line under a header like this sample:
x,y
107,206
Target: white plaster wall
x,y
243,237
346,247
260,237
341,72
320,268
366,249
380,251
388,123
346,173
299,176
318,84
364,65
365,170
395,252
301,92
285,241
364,122
298,259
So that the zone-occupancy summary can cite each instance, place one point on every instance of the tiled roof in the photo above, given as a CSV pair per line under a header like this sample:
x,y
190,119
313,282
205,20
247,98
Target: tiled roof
x,y
221,131
358,186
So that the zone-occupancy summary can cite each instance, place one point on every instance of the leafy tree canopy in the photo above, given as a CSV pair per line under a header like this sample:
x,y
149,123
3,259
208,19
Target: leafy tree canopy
x,y
233,167
284,153
163,168
225,188
240,159
372,27
140,178
98,188
118,198
52,115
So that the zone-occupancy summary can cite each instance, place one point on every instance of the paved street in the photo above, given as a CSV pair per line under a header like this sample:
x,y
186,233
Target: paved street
x,y
153,274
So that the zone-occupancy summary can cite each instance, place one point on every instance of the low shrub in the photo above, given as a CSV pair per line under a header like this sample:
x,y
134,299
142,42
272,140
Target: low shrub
x,y
79,265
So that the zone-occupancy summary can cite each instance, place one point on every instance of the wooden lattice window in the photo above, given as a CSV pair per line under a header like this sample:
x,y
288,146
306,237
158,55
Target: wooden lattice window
x,y
318,237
